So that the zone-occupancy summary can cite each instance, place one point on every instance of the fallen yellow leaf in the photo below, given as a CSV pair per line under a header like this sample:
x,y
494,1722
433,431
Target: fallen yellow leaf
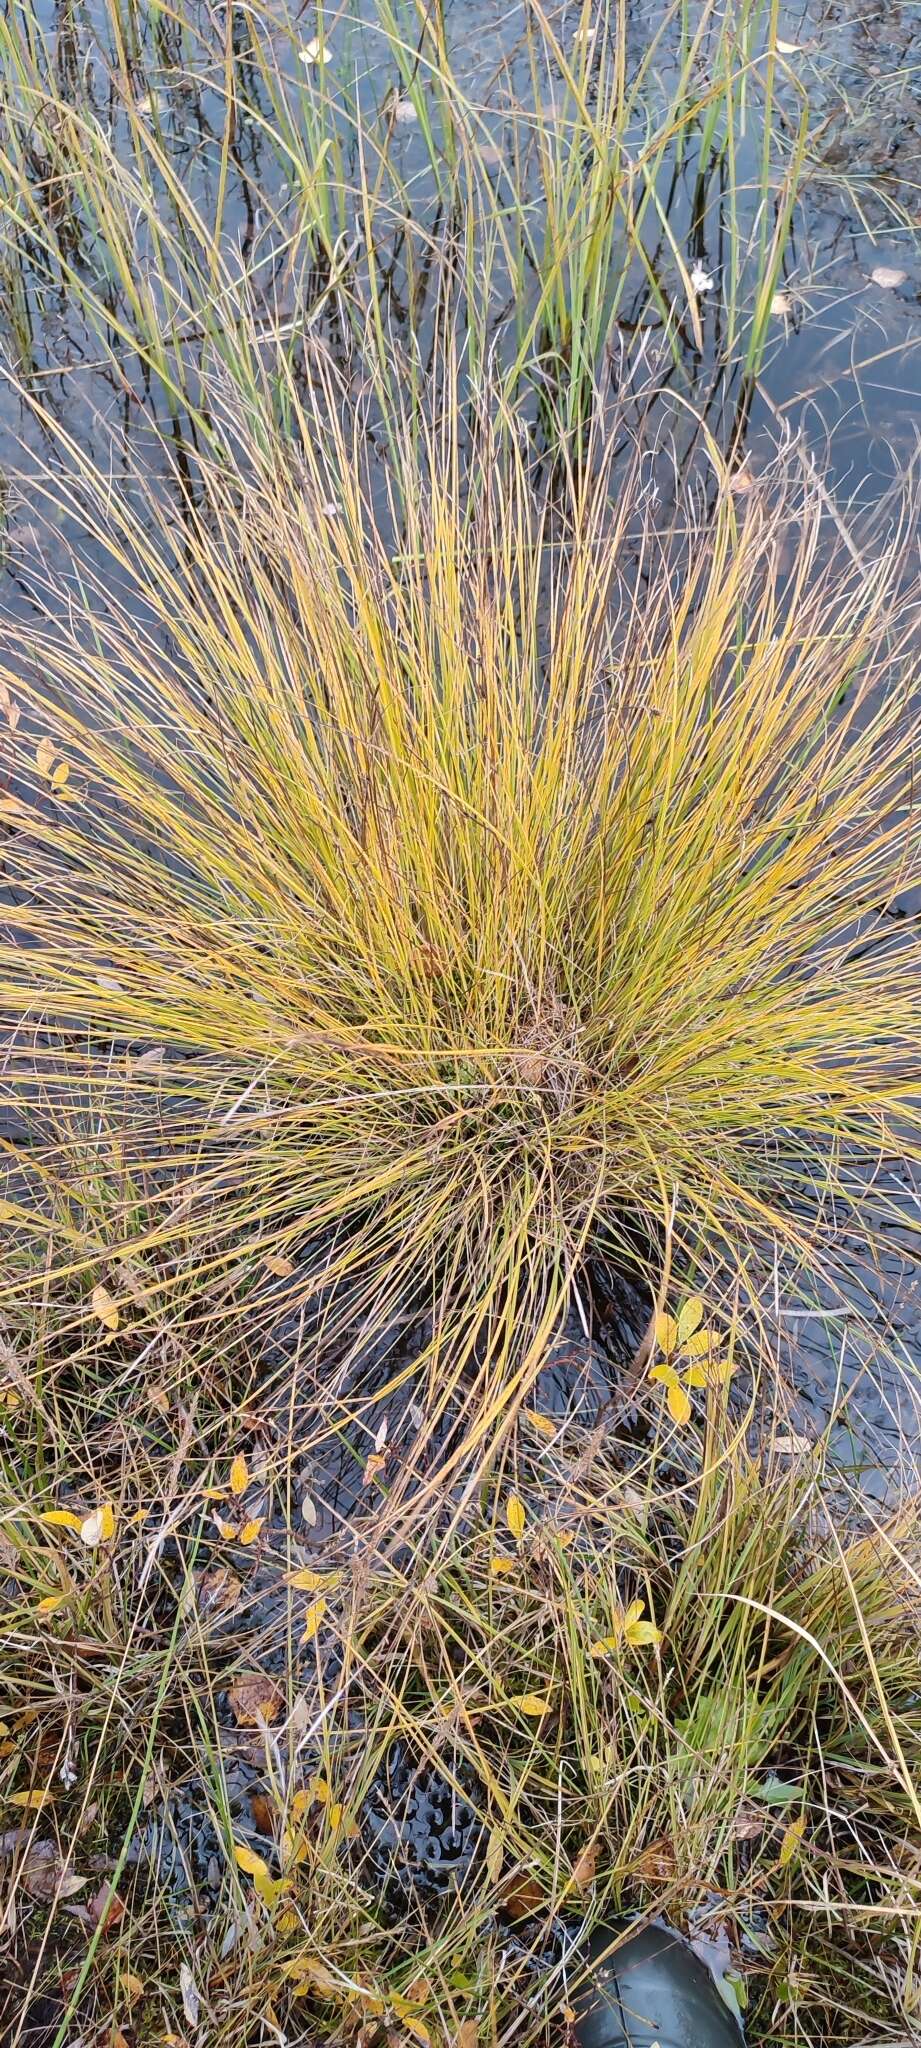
x,y
309,1976
239,1475
502,1564
33,1800
104,1307
534,1703
61,1518
793,1836
312,1619
515,1516
295,1848
541,1423
250,1530
307,1581
411,2022
247,1859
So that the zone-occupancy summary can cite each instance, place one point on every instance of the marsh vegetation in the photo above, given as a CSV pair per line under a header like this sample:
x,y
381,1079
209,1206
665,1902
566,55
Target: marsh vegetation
x,y
458,971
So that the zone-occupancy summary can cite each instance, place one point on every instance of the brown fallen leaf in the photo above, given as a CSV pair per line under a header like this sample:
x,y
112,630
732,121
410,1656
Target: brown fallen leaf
x,y
262,1812
523,1895
409,2019
657,1863
468,2034
217,1590
254,1697
45,1876
748,1824
280,1265
586,1863
106,1909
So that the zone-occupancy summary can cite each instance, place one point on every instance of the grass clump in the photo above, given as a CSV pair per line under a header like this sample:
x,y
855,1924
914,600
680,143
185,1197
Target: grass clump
x,y
404,900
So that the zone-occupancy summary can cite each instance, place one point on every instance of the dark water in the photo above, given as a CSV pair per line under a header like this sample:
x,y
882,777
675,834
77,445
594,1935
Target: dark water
x,y
841,359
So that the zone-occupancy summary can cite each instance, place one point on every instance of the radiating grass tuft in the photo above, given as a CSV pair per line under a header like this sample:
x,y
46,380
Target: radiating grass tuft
x,y
405,901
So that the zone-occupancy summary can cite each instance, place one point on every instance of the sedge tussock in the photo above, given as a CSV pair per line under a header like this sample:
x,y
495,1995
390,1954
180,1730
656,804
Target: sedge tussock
x,y
409,895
